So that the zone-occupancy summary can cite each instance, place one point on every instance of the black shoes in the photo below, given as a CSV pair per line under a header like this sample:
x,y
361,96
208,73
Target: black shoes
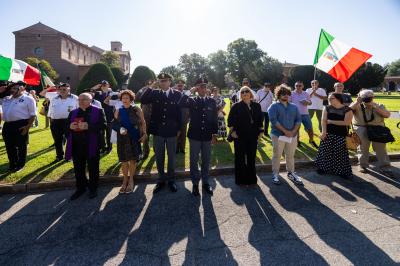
x,y
172,186
195,190
314,144
158,187
208,189
77,194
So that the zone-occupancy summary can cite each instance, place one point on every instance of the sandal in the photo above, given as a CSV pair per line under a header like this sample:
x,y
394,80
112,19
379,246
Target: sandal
x,y
129,189
122,190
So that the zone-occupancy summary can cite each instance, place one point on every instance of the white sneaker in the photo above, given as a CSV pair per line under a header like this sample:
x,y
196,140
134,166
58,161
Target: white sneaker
x,y
295,178
275,180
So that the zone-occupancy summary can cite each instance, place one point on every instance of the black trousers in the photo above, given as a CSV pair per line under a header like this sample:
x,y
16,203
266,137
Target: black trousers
x,y
266,122
245,161
81,161
105,142
16,143
58,129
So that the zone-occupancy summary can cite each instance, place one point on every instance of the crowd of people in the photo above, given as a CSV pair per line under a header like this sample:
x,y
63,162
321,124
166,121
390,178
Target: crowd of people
x,y
84,127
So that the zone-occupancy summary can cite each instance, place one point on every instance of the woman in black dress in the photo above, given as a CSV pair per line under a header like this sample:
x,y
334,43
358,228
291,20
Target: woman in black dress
x,y
245,123
333,156
132,131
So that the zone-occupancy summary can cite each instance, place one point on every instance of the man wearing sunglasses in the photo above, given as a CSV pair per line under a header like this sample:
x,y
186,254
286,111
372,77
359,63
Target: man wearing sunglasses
x,y
165,123
60,106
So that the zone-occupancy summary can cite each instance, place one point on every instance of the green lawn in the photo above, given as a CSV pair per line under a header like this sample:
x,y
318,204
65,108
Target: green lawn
x,y
41,168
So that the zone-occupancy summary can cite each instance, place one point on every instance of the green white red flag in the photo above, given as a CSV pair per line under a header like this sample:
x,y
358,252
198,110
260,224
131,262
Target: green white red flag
x,y
336,58
16,70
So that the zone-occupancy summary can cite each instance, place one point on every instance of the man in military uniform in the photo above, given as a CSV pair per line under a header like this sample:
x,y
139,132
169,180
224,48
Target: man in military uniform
x,y
203,129
146,108
19,110
181,140
165,122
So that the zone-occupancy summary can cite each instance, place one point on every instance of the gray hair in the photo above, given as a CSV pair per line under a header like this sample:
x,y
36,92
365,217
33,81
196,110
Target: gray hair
x,y
364,93
337,84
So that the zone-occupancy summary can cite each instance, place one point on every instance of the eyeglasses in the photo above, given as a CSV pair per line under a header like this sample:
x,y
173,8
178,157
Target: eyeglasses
x,y
163,80
331,98
297,86
245,91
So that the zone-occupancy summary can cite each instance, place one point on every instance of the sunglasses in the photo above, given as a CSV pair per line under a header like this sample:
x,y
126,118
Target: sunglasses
x,y
245,91
298,86
163,80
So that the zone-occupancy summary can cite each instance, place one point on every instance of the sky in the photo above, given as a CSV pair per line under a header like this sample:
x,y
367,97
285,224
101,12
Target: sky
x,y
158,32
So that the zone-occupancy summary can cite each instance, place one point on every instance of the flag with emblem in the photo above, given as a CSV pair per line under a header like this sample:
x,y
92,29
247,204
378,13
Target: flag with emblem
x,y
16,70
44,79
337,58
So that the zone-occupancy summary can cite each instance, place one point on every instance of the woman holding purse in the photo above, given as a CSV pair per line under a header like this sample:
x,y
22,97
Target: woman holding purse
x,y
131,132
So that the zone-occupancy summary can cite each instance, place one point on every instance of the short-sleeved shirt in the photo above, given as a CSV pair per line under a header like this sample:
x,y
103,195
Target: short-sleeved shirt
x,y
59,108
14,109
296,99
358,119
316,102
265,99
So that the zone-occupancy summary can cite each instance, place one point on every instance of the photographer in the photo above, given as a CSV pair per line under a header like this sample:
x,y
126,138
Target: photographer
x,y
369,113
103,91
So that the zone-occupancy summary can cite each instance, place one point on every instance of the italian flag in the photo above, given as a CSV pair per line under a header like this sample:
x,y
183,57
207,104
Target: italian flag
x,y
336,58
16,70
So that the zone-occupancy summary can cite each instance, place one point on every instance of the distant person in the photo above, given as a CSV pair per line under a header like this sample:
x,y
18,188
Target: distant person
x,y
265,99
32,93
339,88
302,100
181,139
317,96
220,101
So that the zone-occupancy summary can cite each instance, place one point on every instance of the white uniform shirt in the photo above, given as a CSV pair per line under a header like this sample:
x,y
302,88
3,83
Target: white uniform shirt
x,y
264,99
14,109
97,103
59,108
316,103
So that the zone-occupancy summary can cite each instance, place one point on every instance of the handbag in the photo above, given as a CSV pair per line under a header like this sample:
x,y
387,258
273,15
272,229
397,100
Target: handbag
x,y
380,134
352,140
42,111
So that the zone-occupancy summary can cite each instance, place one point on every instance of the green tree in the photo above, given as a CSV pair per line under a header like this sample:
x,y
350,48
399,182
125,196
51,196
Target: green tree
x,y
45,65
218,68
95,75
394,68
139,77
305,73
369,75
193,66
174,71
119,76
110,58
243,57
265,69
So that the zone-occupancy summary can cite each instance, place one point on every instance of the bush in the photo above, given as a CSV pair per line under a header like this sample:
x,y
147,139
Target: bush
x,y
140,75
119,76
95,75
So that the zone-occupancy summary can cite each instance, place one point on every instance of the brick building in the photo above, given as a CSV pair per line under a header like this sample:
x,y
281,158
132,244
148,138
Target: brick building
x,y
69,57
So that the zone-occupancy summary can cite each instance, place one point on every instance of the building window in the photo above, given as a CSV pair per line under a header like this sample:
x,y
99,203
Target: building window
x,y
38,51
69,53
84,59
38,37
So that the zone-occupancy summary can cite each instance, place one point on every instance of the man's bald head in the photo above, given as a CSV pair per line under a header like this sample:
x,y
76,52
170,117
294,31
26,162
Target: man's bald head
x,y
85,99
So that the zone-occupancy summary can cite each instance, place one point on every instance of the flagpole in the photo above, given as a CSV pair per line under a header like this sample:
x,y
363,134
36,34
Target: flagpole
x,y
315,71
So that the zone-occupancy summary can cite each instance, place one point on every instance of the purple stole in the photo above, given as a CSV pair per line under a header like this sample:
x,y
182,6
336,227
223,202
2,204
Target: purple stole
x,y
94,118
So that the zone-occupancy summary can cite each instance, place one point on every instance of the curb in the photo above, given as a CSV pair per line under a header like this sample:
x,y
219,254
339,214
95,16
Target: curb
x,y
152,177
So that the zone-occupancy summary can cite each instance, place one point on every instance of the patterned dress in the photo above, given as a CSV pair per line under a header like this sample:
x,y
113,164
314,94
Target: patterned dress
x,y
221,116
333,156
127,148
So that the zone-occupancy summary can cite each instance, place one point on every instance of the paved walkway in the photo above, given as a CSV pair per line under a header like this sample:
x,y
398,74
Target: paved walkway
x,y
328,221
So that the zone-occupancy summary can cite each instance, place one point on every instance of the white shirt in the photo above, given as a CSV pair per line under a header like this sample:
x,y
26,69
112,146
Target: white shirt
x,y
117,104
264,102
51,94
59,108
97,103
14,109
316,103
